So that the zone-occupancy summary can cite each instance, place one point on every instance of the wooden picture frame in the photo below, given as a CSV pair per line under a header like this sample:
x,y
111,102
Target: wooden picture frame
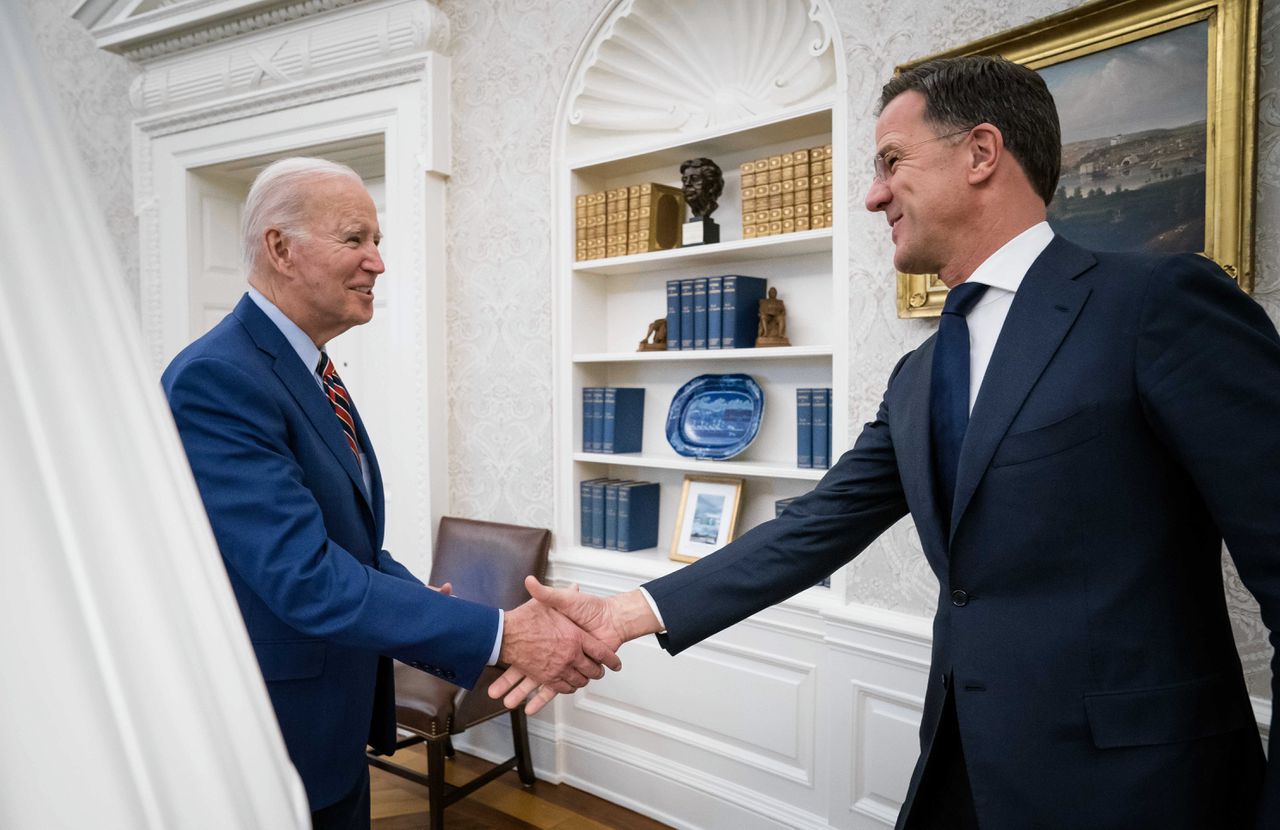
x,y
707,517
1128,36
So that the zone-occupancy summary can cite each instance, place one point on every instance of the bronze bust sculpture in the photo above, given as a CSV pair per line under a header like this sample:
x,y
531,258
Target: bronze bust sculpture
x,y
702,183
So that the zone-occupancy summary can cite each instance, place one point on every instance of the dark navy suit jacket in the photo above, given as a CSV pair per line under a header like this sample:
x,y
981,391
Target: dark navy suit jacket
x,y
1127,425
324,605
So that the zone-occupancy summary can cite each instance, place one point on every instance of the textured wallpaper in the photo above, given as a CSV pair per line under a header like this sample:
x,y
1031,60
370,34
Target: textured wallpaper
x,y
510,60
94,90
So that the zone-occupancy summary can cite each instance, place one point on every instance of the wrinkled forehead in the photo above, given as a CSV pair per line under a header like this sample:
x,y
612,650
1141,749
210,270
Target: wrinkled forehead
x,y
340,202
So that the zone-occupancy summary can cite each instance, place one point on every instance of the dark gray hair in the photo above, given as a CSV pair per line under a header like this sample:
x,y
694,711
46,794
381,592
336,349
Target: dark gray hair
x,y
974,89
278,198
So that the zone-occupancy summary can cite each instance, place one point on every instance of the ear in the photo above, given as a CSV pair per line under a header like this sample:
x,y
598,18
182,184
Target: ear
x,y
986,151
279,250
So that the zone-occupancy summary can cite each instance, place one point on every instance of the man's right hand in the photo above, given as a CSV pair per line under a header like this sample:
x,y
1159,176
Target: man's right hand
x,y
612,621
542,643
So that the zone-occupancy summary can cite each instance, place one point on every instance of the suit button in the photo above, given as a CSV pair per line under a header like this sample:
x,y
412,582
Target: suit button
x,y
945,682
959,598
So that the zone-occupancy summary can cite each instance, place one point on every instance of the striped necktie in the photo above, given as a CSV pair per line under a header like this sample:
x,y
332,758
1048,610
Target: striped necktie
x,y
341,401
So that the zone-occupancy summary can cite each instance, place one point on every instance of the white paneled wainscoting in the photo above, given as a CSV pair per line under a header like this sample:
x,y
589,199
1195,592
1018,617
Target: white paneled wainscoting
x,y
804,716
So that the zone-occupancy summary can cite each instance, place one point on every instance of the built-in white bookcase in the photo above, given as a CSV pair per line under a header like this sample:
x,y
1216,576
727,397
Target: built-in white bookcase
x,y
605,306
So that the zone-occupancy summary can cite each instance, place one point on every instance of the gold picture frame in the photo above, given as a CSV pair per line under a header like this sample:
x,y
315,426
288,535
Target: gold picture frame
x,y
1231,72
707,517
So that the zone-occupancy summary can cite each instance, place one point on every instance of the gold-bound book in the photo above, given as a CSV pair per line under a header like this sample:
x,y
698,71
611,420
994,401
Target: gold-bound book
x,y
661,214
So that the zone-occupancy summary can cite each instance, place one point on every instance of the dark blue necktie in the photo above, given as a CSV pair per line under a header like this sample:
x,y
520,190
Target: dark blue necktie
x,y
949,388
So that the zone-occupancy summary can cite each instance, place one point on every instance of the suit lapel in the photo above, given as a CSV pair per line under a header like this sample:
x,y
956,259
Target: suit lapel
x,y
1043,311
375,473
306,392
913,443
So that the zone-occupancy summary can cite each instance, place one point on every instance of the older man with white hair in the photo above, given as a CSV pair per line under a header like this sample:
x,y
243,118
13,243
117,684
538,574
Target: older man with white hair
x,y
291,484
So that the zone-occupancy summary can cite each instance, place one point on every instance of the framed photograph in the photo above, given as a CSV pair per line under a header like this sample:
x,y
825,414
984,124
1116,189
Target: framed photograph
x,y
1157,104
707,517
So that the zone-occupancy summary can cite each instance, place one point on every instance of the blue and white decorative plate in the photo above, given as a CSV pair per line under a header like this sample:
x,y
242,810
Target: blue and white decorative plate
x,y
715,416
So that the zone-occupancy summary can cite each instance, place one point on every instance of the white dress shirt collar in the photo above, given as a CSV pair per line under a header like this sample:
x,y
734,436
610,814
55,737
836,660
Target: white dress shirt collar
x,y
307,350
1007,267
1003,272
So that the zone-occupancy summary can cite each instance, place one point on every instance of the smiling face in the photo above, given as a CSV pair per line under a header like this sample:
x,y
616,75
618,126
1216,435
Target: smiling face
x,y
924,194
325,277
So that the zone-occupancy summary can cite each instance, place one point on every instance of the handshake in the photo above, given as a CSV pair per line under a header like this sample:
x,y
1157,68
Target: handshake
x,y
562,639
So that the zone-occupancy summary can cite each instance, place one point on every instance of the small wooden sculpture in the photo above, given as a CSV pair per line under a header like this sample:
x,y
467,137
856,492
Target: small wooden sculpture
x,y
773,321
658,331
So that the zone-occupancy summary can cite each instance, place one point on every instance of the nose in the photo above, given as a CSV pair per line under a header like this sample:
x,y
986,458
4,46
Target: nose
x,y
373,262
878,195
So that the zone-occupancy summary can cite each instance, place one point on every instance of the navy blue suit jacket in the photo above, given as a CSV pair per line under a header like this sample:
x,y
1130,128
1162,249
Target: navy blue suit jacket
x,y
324,605
1126,425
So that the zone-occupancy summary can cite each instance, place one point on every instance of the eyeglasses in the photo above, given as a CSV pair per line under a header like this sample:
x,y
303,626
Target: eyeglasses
x,y
884,164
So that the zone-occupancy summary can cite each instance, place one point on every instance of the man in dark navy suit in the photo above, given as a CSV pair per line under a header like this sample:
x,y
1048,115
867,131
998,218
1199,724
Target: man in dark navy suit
x,y
1074,445
293,492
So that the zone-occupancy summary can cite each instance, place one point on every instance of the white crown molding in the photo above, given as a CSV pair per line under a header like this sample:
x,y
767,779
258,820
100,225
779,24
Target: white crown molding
x,y
177,26
313,90
650,72
364,47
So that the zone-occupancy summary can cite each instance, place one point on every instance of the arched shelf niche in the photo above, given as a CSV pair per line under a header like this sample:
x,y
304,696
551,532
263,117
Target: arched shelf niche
x,y
656,82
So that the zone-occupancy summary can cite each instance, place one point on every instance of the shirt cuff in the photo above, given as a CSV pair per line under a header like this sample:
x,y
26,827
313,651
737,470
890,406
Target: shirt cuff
x,y
653,606
497,642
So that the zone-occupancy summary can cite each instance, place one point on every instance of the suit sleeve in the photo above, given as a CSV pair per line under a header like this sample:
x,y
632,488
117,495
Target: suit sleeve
x,y
392,567
1208,372
272,534
856,501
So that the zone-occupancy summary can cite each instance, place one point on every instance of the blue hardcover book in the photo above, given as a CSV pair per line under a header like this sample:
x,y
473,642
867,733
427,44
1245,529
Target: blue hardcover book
x,y
821,432
740,311
593,401
638,515
597,419
608,411
597,511
586,419
611,516
623,420
584,508
686,314
831,450
700,313
715,296
804,428
673,315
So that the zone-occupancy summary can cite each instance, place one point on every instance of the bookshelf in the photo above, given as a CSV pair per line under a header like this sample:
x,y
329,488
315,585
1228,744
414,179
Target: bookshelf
x,y
650,88
603,307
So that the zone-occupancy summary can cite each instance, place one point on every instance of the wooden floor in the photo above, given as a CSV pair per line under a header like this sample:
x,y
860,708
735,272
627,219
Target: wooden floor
x,y
504,804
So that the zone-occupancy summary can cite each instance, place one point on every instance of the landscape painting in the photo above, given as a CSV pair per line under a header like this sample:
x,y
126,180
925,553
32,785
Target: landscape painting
x,y
1134,129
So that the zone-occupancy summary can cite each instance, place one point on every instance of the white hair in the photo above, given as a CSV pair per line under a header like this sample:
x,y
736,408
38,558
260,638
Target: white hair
x,y
279,199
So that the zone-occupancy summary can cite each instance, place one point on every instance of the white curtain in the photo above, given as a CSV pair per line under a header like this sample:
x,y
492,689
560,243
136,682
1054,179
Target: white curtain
x,y
129,695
